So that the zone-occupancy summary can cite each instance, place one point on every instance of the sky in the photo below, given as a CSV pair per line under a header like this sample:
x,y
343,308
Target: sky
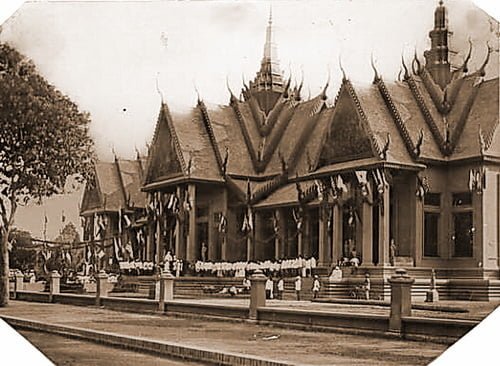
x,y
111,57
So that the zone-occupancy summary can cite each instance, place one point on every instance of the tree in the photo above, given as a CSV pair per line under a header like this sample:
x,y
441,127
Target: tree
x,y
44,139
21,256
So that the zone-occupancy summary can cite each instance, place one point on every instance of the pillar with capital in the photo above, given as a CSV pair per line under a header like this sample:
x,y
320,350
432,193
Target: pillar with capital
x,y
324,249
191,254
384,228
336,233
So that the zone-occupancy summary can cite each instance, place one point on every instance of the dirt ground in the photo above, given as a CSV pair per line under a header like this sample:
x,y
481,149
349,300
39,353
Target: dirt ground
x,y
300,347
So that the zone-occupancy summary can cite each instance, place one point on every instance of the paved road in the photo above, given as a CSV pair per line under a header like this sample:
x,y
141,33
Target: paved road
x,y
303,347
68,352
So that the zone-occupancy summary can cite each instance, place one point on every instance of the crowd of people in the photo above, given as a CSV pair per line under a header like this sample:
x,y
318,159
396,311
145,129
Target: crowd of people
x,y
286,267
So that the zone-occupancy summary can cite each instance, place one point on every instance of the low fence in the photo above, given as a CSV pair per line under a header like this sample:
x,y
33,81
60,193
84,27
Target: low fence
x,y
400,323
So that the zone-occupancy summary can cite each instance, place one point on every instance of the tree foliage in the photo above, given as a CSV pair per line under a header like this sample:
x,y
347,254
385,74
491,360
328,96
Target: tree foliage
x,y
44,139
20,257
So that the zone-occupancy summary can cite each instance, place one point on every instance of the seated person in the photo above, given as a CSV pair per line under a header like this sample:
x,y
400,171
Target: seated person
x,y
336,274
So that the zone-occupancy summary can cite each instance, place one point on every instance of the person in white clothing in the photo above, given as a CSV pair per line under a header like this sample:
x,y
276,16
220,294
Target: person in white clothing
x,y
298,286
336,274
316,287
281,288
269,288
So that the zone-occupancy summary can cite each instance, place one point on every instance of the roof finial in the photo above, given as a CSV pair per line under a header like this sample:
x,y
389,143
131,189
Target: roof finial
x,y
344,77
406,74
481,70
467,58
197,91
376,77
229,89
158,87
416,62
270,14
323,93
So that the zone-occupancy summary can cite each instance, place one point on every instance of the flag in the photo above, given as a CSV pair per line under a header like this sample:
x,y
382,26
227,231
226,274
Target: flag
x,y
222,223
127,220
100,253
319,189
130,250
117,249
120,229
340,184
187,201
67,256
88,253
362,177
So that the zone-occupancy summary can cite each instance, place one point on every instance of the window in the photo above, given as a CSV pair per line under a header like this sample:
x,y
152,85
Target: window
x,y
463,234
462,199
432,213
463,224
431,232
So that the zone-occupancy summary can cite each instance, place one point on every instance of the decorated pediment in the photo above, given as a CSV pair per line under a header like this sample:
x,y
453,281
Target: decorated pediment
x,y
164,159
347,136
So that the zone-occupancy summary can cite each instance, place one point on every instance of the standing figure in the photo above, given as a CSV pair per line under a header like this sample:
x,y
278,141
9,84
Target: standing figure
x,y
204,250
367,286
316,286
298,286
269,288
281,288
392,251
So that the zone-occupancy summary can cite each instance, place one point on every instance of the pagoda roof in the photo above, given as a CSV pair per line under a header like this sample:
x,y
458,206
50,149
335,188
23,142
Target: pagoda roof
x,y
116,185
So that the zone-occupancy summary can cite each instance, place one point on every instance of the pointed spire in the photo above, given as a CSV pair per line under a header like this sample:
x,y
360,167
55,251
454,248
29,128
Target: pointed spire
x,y
268,83
437,61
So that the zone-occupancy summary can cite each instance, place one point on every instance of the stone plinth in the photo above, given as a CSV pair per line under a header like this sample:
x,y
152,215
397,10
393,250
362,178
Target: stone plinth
x,y
257,293
166,289
401,284
19,284
54,284
101,286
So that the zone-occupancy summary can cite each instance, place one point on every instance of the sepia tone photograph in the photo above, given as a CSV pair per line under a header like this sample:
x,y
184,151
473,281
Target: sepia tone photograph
x,y
259,183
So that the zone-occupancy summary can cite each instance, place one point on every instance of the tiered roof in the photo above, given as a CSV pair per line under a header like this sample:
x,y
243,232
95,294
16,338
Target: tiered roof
x,y
271,136
116,185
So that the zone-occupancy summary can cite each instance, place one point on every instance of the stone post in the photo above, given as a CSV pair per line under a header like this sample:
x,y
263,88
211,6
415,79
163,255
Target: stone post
x,y
54,284
401,284
257,293
19,284
154,292
101,287
432,295
166,289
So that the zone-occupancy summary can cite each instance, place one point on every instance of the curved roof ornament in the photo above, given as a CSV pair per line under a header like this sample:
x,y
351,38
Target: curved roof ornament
x,y
406,74
416,66
483,66
467,58
376,76
299,89
245,86
158,87
233,97
197,92
323,92
399,73
344,77
287,87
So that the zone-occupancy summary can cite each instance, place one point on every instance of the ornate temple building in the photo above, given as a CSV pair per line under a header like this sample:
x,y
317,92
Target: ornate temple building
x,y
401,173
113,212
